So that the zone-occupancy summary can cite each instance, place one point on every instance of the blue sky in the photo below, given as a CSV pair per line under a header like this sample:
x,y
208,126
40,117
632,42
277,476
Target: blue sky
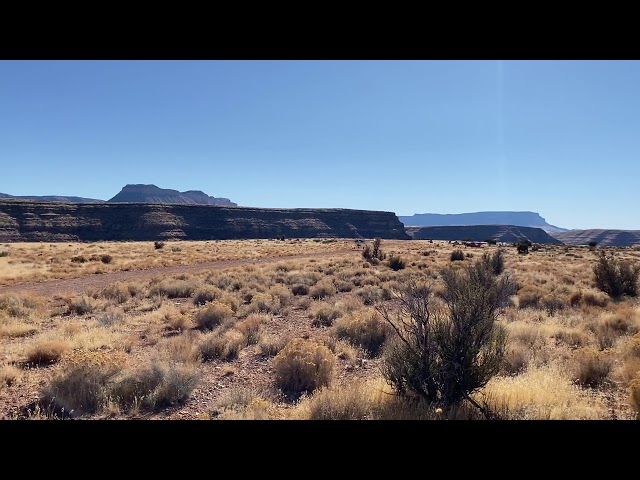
x,y
561,138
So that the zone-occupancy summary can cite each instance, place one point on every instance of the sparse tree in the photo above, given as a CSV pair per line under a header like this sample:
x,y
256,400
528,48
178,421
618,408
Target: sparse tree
x,y
374,252
443,354
495,262
523,247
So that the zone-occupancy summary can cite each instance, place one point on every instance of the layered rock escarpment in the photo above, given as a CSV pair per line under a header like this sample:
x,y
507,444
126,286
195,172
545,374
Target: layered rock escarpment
x,y
481,233
603,237
50,222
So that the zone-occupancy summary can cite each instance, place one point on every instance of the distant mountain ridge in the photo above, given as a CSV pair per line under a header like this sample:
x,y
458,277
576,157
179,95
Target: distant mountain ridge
x,y
603,237
520,219
141,193
481,233
53,198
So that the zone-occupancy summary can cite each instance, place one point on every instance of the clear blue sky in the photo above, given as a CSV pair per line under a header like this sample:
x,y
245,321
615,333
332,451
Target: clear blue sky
x,y
561,138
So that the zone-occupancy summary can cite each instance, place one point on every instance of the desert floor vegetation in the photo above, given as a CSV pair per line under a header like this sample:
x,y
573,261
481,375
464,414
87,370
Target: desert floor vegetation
x,y
302,338
37,261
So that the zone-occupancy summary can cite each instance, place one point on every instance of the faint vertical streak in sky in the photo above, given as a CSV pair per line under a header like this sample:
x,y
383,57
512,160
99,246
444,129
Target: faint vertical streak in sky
x,y
502,155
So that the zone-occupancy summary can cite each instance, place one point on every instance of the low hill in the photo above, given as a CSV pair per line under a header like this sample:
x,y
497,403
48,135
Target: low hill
x,y
521,219
481,233
25,221
52,198
604,238
139,193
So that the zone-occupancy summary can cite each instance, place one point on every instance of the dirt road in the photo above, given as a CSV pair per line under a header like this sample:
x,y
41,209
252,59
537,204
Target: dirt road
x,y
82,284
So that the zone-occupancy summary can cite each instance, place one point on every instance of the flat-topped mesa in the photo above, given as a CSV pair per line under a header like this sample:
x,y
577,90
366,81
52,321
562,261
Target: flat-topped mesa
x,y
521,219
481,233
22,221
141,193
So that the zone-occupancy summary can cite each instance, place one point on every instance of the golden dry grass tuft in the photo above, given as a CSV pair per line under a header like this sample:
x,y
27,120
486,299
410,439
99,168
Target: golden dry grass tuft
x,y
222,345
212,315
303,366
543,393
365,329
334,403
47,351
9,375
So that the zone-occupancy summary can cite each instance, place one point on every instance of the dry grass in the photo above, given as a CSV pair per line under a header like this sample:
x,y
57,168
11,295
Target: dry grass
x,y
253,326
212,315
303,366
634,395
592,367
12,327
545,393
9,375
45,261
270,345
365,329
47,351
130,351
324,314
222,345
338,404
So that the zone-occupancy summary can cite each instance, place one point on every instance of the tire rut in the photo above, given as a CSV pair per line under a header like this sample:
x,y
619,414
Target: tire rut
x,y
82,284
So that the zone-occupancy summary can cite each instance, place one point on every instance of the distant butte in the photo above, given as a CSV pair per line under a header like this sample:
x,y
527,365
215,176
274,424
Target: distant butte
x,y
140,193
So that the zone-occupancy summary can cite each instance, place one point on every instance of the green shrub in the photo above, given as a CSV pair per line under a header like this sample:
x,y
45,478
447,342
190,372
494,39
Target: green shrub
x,y
444,355
616,278
373,252
523,247
300,289
81,305
495,261
396,263
457,255
5,253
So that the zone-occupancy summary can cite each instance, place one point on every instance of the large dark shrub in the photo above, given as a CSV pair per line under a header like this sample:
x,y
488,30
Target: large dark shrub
x,y
396,263
457,255
616,278
443,355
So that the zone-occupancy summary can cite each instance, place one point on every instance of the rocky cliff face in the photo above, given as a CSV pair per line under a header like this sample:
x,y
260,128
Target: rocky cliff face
x,y
151,194
480,233
39,221
524,219
604,238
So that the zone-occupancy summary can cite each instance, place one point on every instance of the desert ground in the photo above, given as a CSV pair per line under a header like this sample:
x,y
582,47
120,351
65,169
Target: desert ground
x,y
293,329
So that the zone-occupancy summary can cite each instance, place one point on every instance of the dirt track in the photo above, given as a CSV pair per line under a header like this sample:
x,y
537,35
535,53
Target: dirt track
x,y
81,284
